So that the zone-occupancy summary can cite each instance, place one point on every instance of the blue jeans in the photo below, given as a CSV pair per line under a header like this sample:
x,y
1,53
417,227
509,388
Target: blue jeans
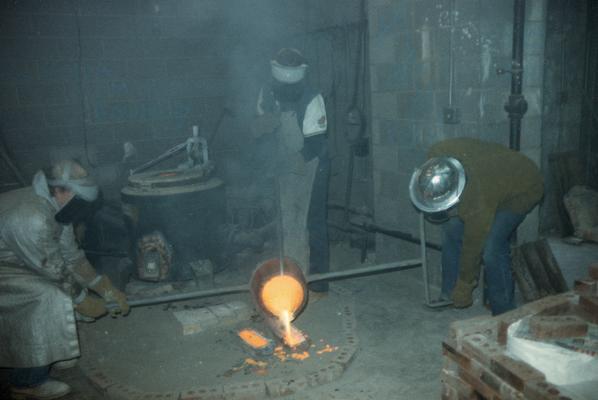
x,y
29,377
496,256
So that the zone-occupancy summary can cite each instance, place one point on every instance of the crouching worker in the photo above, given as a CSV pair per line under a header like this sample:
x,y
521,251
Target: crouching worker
x,y
484,190
45,279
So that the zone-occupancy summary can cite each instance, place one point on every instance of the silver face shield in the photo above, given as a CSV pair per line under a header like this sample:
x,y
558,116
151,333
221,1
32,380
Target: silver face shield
x,y
437,185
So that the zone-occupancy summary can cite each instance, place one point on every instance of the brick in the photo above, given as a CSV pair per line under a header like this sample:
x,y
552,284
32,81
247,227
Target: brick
x,y
481,348
278,387
449,349
194,321
472,376
245,391
515,373
559,326
326,374
542,391
589,303
98,379
586,287
461,389
479,325
593,271
344,355
203,393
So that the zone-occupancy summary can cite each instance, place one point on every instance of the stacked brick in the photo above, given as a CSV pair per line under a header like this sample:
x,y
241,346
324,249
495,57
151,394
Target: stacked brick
x,y
476,365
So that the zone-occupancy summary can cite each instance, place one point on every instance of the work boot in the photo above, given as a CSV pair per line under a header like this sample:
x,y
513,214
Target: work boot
x,y
50,389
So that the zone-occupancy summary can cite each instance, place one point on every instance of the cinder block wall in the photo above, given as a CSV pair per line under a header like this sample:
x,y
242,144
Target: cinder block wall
x,y
78,78
409,60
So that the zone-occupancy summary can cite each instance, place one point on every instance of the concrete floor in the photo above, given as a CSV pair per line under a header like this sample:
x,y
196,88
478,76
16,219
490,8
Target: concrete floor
x,y
399,352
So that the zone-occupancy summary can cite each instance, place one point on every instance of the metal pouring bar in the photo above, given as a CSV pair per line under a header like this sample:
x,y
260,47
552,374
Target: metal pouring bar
x,y
353,272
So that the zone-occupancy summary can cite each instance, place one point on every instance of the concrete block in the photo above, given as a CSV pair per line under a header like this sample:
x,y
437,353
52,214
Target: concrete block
x,y
15,25
55,25
383,49
195,321
393,77
8,96
146,68
386,158
58,70
534,39
97,69
559,326
108,7
418,106
107,26
110,112
345,355
17,70
385,105
122,48
41,94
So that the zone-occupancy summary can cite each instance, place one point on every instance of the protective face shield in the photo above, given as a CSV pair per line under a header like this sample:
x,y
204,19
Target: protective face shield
x,y
437,185
73,177
288,66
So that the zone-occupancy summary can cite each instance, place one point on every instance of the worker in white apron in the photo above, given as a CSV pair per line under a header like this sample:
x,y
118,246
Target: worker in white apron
x,y
45,279
295,115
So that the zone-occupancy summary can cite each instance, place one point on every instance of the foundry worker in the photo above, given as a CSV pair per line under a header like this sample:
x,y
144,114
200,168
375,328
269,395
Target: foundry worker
x,y
45,279
293,116
484,190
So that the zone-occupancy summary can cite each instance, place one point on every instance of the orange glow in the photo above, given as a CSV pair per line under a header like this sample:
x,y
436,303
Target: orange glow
x,y
282,293
253,338
300,356
327,349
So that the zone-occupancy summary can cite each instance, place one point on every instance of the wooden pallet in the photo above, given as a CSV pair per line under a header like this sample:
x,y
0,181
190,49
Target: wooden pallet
x,y
476,365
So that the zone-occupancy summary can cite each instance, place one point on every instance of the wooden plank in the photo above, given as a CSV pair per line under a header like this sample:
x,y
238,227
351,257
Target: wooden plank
x,y
525,282
553,271
536,269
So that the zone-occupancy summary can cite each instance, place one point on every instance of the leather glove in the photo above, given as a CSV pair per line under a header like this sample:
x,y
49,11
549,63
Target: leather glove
x,y
264,124
462,294
111,294
91,306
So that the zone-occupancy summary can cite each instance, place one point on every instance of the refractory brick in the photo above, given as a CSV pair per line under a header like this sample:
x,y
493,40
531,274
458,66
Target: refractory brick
x,y
558,326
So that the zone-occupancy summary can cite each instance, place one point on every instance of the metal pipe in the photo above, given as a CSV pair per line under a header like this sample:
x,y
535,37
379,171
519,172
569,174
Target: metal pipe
x,y
169,298
516,106
371,227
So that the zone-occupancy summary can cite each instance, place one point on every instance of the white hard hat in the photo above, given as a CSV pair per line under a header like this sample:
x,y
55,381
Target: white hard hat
x,y
288,66
437,185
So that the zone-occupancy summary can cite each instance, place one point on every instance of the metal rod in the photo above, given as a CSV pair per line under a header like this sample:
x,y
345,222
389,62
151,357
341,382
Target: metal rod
x,y
169,298
371,227
425,275
167,154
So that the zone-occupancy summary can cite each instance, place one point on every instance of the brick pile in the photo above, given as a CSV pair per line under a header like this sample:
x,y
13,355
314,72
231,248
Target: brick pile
x,y
475,363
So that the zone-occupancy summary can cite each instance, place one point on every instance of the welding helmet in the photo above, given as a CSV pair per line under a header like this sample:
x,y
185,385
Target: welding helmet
x,y
71,176
437,185
288,66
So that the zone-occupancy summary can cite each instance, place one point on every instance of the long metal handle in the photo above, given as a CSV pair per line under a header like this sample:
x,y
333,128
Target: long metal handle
x,y
169,298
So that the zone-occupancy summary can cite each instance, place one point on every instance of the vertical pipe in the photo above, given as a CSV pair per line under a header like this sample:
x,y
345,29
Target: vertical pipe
x,y
422,245
516,105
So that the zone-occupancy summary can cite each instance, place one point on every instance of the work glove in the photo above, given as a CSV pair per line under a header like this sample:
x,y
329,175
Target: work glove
x,y
111,294
91,306
264,124
462,294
